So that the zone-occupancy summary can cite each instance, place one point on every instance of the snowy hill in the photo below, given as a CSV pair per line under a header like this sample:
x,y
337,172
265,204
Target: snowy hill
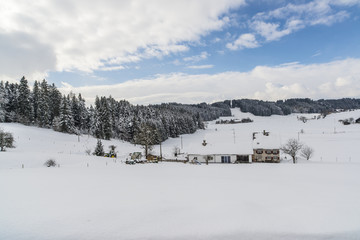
x,y
90,197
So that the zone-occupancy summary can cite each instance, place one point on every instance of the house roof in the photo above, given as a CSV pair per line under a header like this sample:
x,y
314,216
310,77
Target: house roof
x,y
270,141
222,144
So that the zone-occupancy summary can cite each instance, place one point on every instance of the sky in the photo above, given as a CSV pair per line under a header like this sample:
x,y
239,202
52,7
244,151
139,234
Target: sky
x,y
184,51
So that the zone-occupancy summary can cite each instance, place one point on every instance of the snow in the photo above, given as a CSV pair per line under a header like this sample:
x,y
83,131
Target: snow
x,y
91,197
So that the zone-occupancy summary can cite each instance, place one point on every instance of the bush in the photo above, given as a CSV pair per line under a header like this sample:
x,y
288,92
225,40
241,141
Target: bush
x,y
6,140
50,163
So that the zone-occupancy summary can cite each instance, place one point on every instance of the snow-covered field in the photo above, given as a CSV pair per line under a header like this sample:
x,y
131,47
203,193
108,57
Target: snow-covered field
x,y
91,197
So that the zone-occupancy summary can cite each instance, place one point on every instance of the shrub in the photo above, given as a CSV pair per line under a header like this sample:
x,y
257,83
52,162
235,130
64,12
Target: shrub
x,y
50,163
6,140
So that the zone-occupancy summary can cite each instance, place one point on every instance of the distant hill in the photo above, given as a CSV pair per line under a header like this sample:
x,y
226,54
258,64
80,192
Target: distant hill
x,y
295,105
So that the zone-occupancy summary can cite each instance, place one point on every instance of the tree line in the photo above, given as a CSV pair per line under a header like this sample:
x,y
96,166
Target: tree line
x,y
294,105
44,106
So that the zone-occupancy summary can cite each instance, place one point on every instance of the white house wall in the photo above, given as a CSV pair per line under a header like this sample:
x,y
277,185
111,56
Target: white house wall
x,y
216,158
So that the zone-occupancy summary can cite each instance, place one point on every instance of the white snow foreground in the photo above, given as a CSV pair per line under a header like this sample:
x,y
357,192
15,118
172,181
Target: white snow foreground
x,y
91,197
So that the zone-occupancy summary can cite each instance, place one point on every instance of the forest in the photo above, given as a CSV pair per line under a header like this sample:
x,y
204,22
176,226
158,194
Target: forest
x,y
294,105
44,106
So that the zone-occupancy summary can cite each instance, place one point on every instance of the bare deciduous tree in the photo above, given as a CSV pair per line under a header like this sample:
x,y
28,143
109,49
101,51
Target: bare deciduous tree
x,y
292,148
307,152
176,151
6,140
147,137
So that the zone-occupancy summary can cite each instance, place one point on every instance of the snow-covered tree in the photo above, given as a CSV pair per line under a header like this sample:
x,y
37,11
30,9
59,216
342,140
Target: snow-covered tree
x,y
6,140
147,137
97,125
11,102
292,148
105,118
55,99
24,106
35,98
2,102
99,149
43,108
307,152
65,123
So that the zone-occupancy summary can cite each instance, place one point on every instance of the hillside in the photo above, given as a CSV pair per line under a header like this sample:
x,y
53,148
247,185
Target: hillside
x,y
91,197
294,105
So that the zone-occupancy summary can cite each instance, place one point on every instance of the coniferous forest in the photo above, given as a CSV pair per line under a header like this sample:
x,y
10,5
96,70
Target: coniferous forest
x,y
294,105
44,106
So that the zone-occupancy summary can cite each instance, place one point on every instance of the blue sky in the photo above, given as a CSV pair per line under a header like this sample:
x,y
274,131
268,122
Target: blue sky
x,y
185,51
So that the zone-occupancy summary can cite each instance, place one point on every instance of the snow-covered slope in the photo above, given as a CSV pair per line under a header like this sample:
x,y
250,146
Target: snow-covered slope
x,y
91,197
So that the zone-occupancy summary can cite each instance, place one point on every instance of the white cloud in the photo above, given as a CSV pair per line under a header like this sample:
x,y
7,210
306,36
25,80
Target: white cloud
x,y
201,66
88,35
335,79
204,55
246,40
275,24
270,31
112,68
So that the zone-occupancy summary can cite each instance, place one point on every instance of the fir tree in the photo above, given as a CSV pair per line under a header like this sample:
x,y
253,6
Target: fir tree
x,y
84,114
66,121
105,118
43,108
99,149
35,98
11,103
24,106
55,99
2,102
97,125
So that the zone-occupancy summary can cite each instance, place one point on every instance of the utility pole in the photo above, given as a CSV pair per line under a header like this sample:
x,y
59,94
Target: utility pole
x,y
181,142
160,152
234,135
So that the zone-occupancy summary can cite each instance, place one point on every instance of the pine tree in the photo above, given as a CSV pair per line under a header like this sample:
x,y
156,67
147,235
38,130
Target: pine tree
x,y
105,118
84,114
97,125
55,99
35,98
43,108
66,121
11,103
2,102
99,149
24,106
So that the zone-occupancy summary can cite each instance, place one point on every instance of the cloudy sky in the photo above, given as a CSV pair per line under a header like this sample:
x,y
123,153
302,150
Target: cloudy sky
x,y
186,51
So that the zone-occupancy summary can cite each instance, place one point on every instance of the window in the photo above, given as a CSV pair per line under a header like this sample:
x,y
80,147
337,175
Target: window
x,y
268,151
275,151
225,159
276,158
268,158
259,151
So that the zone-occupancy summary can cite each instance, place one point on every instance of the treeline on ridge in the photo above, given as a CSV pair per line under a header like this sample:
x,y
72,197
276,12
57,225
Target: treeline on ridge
x,y
46,107
294,105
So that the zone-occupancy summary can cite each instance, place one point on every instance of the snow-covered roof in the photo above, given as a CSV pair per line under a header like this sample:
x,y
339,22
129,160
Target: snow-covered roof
x,y
269,141
221,143
243,148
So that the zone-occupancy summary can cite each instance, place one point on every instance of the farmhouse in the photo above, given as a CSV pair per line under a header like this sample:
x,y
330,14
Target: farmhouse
x,y
220,152
266,147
